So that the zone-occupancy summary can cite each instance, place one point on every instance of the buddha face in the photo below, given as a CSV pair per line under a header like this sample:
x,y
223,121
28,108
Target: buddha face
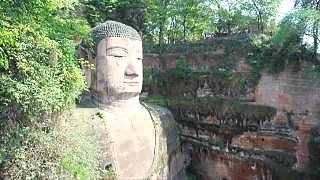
x,y
119,66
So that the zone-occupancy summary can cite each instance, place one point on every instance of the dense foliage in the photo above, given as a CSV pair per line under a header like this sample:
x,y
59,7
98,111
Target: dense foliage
x,y
40,79
192,19
40,73
130,12
168,22
276,52
304,20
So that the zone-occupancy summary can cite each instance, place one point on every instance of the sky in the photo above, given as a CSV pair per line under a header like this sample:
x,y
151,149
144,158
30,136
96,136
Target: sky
x,y
285,7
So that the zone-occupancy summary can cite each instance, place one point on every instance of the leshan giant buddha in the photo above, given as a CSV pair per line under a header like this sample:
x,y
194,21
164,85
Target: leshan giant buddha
x,y
144,141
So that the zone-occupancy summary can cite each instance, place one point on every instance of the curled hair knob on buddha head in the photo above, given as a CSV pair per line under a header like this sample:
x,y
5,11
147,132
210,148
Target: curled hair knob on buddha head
x,y
114,29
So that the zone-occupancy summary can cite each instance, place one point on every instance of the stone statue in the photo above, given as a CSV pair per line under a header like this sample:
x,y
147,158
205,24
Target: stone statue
x,y
143,138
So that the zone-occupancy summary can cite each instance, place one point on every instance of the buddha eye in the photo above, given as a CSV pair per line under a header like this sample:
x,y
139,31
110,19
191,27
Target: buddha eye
x,y
140,59
117,56
117,52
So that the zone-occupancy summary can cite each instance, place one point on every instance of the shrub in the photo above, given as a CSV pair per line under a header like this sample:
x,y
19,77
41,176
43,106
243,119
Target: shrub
x,y
58,154
40,78
40,73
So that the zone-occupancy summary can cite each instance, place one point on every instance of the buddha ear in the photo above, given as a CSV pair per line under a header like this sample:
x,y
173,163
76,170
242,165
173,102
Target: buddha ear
x,y
100,46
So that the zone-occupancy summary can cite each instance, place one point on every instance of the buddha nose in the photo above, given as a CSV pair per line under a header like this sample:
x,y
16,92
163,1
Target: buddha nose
x,y
131,69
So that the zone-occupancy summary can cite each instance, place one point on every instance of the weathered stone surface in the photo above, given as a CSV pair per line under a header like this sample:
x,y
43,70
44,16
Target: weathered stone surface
x,y
296,95
143,140
265,141
170,161
151,61
211,165
132,142
275,135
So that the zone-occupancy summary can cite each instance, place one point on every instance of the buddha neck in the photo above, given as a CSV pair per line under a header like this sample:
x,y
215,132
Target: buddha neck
x,y
123,102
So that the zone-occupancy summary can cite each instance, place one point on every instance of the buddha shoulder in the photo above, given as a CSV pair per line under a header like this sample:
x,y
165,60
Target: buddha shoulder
x,y
160,113
165,123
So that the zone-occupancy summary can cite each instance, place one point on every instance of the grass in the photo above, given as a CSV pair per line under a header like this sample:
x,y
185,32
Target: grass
x,y
71,152
83,160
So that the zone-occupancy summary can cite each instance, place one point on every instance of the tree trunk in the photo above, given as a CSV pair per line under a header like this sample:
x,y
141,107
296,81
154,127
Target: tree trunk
x,y
184,28
261,28
161,37
315,40
259,16
316,35
162,24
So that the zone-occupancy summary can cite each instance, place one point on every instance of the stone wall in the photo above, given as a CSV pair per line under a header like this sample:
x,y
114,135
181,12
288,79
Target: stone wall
x,y
227,167
290,91
265,141
296,96
266,147
151,61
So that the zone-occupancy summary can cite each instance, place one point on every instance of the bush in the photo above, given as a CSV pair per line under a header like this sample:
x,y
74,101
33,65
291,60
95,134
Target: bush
x,y
31,155
277,52
40,78
40,73
163,80
58,154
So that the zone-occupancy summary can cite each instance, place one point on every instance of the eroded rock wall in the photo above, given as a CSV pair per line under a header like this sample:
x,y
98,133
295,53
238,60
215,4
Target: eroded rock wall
x,y
231,144
277,147
296,96
273,142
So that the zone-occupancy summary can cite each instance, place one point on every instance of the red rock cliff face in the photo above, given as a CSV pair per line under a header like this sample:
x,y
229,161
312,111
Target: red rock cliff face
x,y
226,167
296,95
278,147
265,141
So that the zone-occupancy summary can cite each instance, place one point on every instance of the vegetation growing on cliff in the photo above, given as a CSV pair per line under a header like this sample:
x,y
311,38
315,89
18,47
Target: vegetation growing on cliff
x,y
223,117
305,18
40,79
214,105
277,52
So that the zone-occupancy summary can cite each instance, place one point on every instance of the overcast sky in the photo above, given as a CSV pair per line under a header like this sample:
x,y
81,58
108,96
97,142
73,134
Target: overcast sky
x,y
285,7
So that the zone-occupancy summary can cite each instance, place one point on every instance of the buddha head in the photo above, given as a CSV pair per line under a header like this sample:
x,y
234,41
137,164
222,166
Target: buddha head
x,y
118,59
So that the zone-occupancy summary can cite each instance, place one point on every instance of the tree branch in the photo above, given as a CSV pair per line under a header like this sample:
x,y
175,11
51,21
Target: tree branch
x,y
256,6
312,35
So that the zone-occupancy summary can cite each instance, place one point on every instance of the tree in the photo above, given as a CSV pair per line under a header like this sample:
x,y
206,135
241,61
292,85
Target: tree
x,y
132,13
177,20
264,11
308,12
189,17
41,74
97,11
226,17
235,15
158,17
